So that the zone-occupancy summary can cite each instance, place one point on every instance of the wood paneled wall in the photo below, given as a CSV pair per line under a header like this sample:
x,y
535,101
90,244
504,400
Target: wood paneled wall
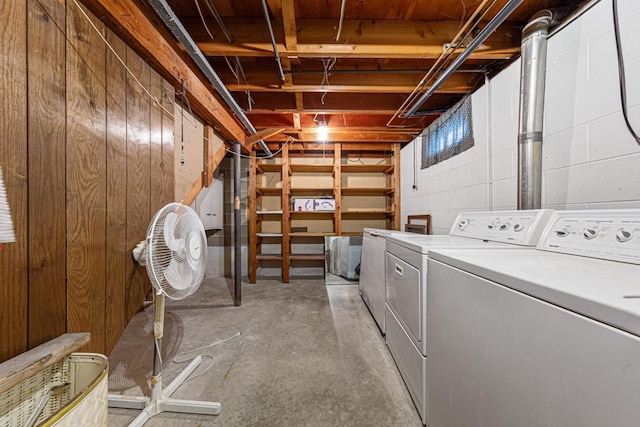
x,y
88,159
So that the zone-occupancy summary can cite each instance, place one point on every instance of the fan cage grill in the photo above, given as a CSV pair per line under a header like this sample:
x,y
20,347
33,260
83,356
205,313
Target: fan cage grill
x,y
176,252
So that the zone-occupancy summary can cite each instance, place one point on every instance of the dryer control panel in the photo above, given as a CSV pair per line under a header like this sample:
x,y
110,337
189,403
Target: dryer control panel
x,y
604,234
516,227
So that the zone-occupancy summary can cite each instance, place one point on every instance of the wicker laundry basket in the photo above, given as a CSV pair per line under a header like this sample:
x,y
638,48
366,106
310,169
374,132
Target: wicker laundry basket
x,y
71,391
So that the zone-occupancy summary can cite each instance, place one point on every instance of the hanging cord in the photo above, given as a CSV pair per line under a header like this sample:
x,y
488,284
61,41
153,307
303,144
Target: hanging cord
x,y
327,64
341,19
182,97
623,82
204,21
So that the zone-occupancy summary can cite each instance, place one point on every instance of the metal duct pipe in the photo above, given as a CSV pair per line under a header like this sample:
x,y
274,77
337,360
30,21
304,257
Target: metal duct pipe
x,y
491,26
172,22
532,79
273,39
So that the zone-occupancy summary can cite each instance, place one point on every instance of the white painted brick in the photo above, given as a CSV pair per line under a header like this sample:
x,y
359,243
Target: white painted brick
x,y
478,172
572,70
558,112
609,137
504,137
442,200
473,197
450,180
503,165
505,194
602,55
570,147
632,68
606,181
628,9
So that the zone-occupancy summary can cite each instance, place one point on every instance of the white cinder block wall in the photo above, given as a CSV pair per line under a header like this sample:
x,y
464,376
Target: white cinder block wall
x,y
590,161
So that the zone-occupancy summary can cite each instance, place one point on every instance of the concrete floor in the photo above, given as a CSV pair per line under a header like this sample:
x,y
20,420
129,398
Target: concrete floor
x,y
307,355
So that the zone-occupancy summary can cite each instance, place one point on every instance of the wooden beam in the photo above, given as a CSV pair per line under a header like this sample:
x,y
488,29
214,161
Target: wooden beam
x,y
289,24
306,146
193,192
209,135
372,137
351,82
296,121
131,23
299,101
263,134
366,39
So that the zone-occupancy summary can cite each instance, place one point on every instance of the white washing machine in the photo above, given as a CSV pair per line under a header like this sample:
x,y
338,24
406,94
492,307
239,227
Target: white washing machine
x,y
406,282
541,337
372,271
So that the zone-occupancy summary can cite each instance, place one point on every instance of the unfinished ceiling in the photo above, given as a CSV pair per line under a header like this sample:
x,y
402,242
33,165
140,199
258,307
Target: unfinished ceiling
x,y
352,73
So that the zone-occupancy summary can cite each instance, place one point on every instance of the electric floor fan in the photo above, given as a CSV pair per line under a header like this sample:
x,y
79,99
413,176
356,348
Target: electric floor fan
x,y
175,258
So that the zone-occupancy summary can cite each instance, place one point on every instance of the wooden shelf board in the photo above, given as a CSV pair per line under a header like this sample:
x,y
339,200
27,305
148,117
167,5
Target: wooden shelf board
x,y
352,234
269,257
385,168
310,168
308,257
269,167
382,191
367,212
313,212
311,234
269,190
269,212
311,190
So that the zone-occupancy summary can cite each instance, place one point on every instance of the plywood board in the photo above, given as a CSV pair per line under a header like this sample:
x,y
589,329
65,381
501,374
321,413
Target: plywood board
x,y
117,253
13,158
168,126
138,181
155,123
86,178
46,171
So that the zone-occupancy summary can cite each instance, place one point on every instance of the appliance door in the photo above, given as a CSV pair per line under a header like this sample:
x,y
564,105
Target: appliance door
x,y
404,295
500,358
372,276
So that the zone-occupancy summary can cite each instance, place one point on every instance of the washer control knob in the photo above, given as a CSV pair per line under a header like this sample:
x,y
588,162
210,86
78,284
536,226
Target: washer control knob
x,y
504,227
562,233
518,227
463,224
589,233
491,226
623,235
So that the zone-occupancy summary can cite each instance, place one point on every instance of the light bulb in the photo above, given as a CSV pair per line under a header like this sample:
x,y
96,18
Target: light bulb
x,y
323,132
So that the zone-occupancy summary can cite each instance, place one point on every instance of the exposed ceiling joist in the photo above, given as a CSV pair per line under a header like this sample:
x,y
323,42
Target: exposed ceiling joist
x,y
365,39
365,82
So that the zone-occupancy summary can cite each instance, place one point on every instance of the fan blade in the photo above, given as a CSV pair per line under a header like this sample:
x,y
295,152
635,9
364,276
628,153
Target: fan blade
x,y
169,229
177,276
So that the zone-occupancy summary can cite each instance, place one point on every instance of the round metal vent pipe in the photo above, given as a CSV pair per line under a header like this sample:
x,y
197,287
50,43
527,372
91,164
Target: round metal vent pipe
x,y
532,80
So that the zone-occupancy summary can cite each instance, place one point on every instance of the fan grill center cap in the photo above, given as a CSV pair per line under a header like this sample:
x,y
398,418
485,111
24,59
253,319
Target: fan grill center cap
x,y
195,248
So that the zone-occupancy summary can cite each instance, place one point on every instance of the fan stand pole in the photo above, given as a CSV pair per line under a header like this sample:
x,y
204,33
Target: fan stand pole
x,y
160,400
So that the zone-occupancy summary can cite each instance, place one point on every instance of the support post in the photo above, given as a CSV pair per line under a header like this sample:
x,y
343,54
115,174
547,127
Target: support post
x,y
237,227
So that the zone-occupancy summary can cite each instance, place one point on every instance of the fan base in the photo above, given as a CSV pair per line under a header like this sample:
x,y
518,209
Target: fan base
x,y
160,401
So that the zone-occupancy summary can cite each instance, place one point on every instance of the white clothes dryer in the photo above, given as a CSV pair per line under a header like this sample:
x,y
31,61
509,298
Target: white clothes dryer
x,y
372,271
539,337
406,282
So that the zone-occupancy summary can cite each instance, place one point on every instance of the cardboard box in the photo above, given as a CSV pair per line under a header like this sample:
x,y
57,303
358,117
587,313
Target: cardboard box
x,y
303,204
327,205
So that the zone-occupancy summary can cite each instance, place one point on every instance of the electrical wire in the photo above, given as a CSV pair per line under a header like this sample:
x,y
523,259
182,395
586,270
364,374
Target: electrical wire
x,y
342,7
180,359
204,21
621,74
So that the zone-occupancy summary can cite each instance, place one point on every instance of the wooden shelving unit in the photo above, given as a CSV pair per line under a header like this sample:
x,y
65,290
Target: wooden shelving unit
x,y
366,193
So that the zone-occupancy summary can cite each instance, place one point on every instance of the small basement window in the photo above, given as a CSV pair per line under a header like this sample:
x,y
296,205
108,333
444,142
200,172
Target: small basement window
x,y
448,135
